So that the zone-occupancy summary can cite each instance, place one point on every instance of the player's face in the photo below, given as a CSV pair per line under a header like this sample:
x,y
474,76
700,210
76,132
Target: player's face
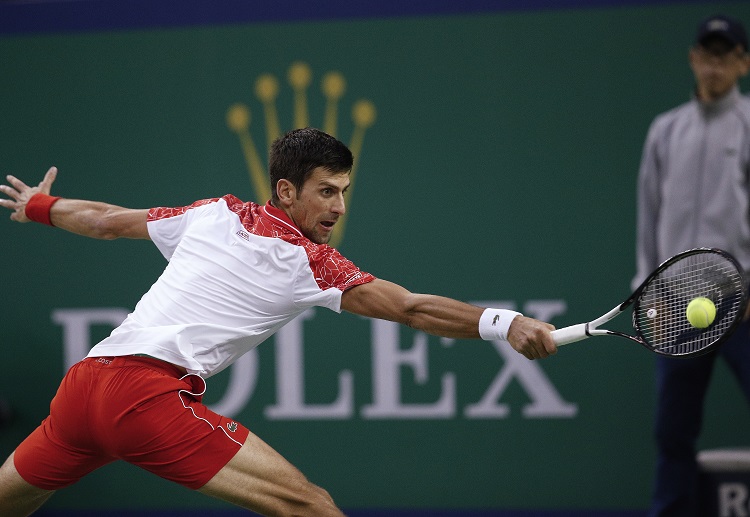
x,y
717,67
319,204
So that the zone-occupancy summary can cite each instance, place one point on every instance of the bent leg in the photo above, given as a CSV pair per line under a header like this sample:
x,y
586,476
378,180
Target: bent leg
x,y
17,497
260,479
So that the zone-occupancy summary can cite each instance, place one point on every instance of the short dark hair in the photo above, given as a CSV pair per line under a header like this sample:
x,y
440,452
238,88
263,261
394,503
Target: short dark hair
x,y
295,155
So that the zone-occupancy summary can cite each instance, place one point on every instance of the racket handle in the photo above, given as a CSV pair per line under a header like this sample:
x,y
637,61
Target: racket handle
x,y
570,334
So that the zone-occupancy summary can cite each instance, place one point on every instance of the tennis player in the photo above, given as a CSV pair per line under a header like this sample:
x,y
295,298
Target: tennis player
x,y
237,272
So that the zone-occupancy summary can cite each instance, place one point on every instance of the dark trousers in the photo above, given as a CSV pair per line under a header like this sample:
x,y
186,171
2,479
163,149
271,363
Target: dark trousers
x,y
681,389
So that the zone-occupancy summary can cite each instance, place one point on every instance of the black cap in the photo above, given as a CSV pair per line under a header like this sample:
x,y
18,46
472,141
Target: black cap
x,y
722,27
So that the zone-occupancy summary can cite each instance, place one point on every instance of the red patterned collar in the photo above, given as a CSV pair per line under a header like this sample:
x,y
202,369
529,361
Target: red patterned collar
x,y
280,217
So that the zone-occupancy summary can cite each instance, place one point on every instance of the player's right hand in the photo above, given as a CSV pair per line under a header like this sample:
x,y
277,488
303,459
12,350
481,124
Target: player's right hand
x,y
531,337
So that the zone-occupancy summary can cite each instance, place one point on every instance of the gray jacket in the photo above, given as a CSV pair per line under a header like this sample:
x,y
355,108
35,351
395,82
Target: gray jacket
x,y
693,183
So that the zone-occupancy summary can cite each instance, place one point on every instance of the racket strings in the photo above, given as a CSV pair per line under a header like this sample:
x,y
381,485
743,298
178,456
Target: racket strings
x,y
660,311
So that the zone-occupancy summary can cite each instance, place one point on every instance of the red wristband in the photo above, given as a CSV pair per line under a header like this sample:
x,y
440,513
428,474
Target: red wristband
x,y
38,207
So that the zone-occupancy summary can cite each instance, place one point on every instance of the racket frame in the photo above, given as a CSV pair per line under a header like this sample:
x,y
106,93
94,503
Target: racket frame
x,y
581,331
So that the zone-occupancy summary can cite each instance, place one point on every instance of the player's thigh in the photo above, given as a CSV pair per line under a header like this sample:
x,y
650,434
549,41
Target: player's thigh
x,y
17,497
260,479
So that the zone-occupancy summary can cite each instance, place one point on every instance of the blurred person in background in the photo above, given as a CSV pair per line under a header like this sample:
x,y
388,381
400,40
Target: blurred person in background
x,y
693,192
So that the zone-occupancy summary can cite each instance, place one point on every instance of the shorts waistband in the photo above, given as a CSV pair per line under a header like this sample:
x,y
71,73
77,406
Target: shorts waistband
x,y
138,360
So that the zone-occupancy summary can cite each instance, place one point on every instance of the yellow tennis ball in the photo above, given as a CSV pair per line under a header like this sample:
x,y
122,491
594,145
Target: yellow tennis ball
x,y
700,312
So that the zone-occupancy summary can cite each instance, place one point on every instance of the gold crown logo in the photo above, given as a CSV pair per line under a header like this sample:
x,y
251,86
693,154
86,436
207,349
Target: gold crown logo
x,y
333,86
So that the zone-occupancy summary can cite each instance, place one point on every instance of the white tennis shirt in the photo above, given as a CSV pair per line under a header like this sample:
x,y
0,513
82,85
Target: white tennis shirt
x,y
237,273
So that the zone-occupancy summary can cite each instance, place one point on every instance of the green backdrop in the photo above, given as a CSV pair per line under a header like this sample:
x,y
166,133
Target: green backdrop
x,y
501,166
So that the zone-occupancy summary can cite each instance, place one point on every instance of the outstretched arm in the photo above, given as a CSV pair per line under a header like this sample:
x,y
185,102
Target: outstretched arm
x,y
447,317
88,218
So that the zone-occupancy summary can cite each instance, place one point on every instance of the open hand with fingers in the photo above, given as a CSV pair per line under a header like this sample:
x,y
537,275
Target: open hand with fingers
x,y
20,193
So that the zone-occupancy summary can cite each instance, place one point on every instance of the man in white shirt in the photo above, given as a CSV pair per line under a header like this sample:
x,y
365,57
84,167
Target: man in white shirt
x,y
237,273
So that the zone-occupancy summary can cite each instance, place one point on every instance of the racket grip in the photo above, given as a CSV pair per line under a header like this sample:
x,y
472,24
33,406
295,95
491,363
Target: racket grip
x,y
570,334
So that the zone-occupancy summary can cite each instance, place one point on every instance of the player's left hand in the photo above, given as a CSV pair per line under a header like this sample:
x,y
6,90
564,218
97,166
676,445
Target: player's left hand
x,y
531,337
20,193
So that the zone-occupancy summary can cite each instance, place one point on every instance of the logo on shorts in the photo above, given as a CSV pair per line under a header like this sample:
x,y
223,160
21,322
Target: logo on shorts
x,y
232,426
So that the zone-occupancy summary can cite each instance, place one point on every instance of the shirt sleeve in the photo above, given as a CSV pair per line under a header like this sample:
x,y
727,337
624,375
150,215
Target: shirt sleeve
x,y
333,270
332,274
167,225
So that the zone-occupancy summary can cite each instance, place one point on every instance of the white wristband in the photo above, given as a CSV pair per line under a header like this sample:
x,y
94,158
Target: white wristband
x,y
494,324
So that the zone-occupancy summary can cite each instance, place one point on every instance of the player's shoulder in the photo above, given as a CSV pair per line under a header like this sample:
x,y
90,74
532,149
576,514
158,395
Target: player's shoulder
x,y
230,201
238,206
315,251
160,213
331,269
317,254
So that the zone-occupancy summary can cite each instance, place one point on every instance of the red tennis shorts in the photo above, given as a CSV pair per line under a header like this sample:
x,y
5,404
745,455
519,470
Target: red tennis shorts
x,y
136,409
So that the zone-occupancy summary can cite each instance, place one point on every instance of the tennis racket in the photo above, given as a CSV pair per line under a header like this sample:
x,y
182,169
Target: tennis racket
x,y
660,302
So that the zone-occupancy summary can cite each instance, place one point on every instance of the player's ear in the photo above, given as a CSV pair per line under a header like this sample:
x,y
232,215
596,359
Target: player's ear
x,y
286,192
